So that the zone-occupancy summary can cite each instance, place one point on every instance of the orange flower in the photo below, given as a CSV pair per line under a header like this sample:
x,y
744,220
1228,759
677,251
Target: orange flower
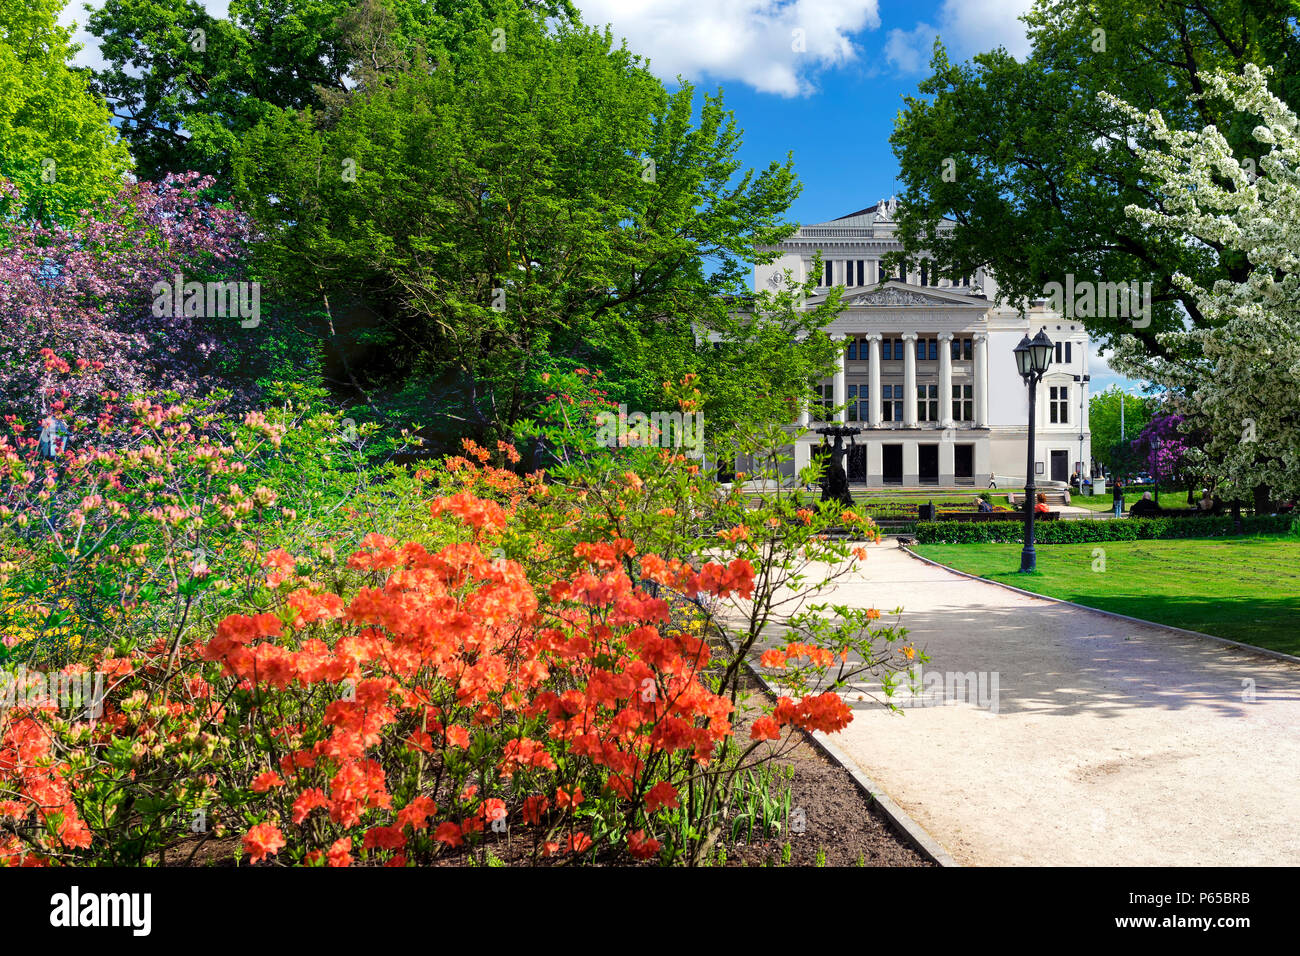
x,y
640,847
765,728
339,854
564,799
663,795
266,781
449,834
533,809
262,841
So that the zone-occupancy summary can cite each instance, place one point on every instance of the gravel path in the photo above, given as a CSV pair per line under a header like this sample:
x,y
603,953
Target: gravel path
x,y
1110,742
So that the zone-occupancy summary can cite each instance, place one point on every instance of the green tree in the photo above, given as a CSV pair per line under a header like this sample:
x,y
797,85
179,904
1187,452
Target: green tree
x,y
185,84
537,197
56,142
1037,171
1104,423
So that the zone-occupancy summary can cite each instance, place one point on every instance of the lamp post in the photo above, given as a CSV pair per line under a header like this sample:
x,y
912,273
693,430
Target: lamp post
x,y
1082,380
1032,359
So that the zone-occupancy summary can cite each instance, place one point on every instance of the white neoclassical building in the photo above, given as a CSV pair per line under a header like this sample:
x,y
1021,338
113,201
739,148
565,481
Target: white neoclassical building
x,y
928,371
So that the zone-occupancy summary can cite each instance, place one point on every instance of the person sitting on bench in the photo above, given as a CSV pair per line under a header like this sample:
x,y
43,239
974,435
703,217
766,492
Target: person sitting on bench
x,y
1144,508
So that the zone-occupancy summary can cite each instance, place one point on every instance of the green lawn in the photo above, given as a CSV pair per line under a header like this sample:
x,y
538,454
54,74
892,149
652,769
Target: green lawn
x,y
1168,500
1245,589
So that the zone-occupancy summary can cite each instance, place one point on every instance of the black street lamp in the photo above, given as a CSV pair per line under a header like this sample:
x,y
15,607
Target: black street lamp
x,y
1032,359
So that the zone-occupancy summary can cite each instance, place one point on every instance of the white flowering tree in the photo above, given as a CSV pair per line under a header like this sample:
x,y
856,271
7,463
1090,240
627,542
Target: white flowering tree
x,y
1244,390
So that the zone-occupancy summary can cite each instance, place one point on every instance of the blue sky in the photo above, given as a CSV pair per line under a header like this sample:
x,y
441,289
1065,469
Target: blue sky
x,y
823,79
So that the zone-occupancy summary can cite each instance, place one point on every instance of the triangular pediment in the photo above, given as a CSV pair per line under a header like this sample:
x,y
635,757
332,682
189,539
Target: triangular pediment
x,y
895,294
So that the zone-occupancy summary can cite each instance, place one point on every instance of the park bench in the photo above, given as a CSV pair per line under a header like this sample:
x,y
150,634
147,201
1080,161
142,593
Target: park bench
x,y
966,516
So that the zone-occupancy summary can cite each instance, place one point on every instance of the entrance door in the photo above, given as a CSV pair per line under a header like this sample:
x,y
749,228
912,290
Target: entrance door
x,y
857,464
891,464
927,464
1059,466
963,463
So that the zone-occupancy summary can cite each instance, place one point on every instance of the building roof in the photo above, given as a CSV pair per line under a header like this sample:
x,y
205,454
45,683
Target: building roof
x,y
883,212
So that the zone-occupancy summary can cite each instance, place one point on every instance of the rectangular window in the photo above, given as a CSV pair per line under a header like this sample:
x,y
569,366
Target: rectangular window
x,y
853,403
1058,404
824,402
925,272
828,273
1067,353
1058,353
927,403
852,353
933,347
966,352
955,348
891,403
963,403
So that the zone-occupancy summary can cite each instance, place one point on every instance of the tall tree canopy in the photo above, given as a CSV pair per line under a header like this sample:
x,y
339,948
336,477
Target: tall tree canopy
x,y
1245,390
526,194
56,143
185,84
1104,414
1037,170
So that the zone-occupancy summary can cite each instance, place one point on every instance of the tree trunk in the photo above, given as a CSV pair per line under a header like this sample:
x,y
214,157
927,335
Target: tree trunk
x,y
1261,499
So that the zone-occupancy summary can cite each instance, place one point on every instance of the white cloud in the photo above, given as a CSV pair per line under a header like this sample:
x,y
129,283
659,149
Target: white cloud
x,y
966,27
751,41
1103,376
908,51
756,42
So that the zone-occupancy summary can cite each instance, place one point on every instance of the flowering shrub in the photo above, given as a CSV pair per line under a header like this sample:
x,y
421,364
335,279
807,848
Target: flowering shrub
x,y
87,289
405,665
138,527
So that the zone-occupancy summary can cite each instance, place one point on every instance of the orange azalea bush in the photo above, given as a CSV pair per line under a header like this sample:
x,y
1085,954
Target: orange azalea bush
x,y
444,698
513,674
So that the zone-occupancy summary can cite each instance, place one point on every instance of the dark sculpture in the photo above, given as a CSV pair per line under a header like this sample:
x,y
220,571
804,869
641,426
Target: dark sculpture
x,y
835,480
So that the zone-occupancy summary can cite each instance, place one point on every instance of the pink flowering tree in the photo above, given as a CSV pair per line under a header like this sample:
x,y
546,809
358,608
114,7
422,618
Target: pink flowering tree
x,y
1162,447
83,295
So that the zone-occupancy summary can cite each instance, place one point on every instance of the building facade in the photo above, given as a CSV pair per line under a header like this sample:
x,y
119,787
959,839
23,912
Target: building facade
x,y
928,371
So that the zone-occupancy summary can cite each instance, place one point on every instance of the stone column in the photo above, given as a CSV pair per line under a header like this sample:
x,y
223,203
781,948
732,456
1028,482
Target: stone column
x,y
911,464
945,379
840,391
802,455
981,356
873,418
909,379
804,416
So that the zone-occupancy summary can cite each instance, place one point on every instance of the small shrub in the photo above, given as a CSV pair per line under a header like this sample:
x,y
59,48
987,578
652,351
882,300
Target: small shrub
x,y
1078,532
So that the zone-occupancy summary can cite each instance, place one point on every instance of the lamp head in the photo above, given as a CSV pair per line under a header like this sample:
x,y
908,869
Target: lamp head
x,y
1041,351
1023,359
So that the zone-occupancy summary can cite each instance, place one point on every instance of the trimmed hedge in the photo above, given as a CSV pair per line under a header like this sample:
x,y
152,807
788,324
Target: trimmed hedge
x,y
1120,529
